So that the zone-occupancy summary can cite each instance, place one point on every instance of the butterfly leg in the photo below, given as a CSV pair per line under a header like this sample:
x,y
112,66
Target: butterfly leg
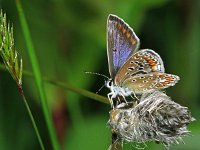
x,y
124,98
124,93
110,98
135,97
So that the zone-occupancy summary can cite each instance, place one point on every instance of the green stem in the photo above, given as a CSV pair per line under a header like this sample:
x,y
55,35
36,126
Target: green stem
x,y
79,91
32,118
66,86
37,74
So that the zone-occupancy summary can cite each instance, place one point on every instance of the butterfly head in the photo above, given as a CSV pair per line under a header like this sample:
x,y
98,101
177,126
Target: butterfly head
x,y
109,83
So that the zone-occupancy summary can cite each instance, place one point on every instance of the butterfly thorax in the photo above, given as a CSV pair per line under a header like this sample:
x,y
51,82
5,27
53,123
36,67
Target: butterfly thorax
x,y
117,90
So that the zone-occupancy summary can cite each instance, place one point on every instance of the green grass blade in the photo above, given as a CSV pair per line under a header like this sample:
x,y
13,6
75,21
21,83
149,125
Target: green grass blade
x,y
14,65
37,74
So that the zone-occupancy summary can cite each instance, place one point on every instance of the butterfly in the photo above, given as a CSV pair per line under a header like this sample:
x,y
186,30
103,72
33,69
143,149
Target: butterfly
x,y
132,71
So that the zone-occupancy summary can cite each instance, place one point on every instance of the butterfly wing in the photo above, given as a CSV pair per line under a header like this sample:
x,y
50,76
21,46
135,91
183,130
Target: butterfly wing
x,y
149,82
142,62
121,43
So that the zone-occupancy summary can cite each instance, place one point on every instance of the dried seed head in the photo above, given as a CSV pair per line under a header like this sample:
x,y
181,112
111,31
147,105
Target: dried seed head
x,y
156,118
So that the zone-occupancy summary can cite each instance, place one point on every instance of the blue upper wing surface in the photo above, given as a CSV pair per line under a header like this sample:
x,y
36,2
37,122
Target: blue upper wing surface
x,y
122,42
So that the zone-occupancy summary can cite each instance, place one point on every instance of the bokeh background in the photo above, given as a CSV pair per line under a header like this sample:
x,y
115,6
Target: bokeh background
x,y
70,38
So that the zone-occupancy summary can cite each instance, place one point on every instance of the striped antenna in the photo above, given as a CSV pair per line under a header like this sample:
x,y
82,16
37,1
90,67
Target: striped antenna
x,y
97,74
102,75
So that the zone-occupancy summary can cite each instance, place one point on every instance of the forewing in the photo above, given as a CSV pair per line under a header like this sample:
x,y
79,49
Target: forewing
x,y
150,82
121,43
142,62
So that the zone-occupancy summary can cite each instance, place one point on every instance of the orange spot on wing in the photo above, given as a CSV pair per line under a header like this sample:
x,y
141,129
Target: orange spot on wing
x,y
153,68
159,85
123,30
166,82
119,26
153,63
128,35
133,41
145,57
169,79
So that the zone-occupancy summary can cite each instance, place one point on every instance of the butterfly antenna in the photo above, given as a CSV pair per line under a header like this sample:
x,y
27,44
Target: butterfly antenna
x,y
102,75
100,88
97,74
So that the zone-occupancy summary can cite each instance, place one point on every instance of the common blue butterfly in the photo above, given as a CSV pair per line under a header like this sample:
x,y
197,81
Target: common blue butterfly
x,y
132,71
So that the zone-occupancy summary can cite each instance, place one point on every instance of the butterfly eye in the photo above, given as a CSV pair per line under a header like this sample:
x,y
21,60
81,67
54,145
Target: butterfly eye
x,y
109,83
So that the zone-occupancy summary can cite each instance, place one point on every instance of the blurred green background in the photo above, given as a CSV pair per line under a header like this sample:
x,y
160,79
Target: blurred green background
x,y
70,38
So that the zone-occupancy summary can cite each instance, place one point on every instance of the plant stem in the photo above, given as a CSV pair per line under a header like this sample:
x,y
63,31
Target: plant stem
x,y
117,143
37,74
66,86
80,91
116,146
31,117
